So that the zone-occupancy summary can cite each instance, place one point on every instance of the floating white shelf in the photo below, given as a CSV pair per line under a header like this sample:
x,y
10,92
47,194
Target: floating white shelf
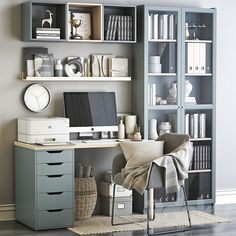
x,y
199,171
163,40
198,41
79,79
161,74
163,107
200,139
207,74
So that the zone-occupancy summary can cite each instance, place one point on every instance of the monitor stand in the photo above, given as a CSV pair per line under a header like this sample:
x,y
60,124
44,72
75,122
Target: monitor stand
x,y
89,135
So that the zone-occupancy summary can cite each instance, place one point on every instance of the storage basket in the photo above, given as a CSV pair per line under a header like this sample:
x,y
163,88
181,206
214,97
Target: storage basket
x,y
85,197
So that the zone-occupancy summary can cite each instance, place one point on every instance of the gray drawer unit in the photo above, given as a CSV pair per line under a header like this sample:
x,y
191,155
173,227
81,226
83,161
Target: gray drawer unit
x,y
54,183
54,156
54,200
44,188
55,218
54,168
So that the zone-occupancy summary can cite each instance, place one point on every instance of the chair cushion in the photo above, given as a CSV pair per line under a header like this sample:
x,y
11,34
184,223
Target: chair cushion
x,y
141,153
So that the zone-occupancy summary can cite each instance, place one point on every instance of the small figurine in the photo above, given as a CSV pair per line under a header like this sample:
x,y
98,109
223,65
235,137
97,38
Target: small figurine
x,y
137,135
48,20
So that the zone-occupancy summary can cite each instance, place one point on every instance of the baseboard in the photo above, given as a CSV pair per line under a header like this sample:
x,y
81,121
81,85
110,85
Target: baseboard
x,y
7,212
227,196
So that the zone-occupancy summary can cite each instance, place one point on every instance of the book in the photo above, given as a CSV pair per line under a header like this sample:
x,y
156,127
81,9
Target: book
x,y
195,125
100,65
202,125
108,27
114,28
130,28
28,58
186,123
119,28
43,65
118,67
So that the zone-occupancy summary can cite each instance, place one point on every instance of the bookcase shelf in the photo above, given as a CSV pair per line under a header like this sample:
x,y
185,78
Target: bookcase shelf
x,y
151,87
79,79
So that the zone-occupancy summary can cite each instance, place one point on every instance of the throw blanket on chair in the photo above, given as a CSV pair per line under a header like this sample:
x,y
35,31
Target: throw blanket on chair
x,y
175,164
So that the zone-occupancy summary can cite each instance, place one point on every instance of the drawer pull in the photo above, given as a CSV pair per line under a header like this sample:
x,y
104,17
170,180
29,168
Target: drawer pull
x,y
56,210
55,164
55,151
55,193
54,176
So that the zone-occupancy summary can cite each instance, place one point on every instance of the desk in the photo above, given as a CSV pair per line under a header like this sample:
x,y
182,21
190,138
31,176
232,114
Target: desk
x,y
44,183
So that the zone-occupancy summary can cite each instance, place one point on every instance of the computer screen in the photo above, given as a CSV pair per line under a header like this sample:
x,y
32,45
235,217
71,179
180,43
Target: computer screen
x,y
91,111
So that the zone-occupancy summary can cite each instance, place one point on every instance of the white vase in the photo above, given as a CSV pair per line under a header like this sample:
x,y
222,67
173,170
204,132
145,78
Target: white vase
x,y
188,88
130,122
58,68
173,90
152,134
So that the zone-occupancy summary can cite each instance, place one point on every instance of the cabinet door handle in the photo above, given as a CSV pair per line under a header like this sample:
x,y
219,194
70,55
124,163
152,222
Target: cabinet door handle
x,y
55,164
56,210
54,176
55,151
55,193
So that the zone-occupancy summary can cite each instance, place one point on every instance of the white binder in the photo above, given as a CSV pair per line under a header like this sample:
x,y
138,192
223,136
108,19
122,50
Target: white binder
x,y
155,26
202,58
196,60
150,26
190,57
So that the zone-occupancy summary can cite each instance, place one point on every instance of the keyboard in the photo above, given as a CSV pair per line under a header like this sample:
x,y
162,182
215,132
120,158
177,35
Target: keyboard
x,y
100,141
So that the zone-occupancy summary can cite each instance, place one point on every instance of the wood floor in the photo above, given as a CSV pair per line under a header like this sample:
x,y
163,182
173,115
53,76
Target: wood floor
x,y
13,228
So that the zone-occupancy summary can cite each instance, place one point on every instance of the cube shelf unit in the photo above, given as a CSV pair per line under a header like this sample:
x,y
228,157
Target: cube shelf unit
x,y
174,57
33,12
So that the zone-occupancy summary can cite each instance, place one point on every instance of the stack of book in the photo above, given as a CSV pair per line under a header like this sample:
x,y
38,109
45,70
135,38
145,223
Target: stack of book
x,y
195,125
201,158
48,33
119,28
161,26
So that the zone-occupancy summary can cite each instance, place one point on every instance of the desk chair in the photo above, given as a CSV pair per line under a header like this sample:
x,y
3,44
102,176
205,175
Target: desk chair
x,y
156,180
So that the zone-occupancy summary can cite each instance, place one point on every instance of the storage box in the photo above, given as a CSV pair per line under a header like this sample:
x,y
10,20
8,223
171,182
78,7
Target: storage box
x,y
106,189
123,206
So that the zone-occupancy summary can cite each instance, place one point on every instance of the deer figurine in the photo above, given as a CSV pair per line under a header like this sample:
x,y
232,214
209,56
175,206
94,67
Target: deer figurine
x,y
48,20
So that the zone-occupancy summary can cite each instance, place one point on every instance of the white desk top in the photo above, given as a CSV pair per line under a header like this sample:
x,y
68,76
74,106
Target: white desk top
x,y
75,144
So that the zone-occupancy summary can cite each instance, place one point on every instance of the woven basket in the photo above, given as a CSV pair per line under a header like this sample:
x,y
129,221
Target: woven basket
x,y
85,197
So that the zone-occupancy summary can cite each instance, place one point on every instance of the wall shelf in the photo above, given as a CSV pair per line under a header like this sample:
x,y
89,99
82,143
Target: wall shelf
x,y
200,139
198,41
78,79
208,74
162,40
162,74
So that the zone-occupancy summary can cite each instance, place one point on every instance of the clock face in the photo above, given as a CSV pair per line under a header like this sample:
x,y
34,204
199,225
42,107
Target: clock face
x,y
37,97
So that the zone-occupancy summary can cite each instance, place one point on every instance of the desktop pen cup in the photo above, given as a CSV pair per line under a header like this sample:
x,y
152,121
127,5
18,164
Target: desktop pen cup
x,y
130,122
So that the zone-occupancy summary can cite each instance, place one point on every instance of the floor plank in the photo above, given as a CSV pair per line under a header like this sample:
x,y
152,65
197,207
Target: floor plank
x,y
12,228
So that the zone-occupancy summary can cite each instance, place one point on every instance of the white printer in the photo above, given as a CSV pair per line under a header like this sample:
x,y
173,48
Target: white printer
x,y
43,129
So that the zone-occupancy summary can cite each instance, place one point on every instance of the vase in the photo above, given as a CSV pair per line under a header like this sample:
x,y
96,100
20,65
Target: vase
x,y
173,90
152,134
130,122
188,88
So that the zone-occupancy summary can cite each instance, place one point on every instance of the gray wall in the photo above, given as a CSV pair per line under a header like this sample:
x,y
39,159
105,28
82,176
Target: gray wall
x,y
11,88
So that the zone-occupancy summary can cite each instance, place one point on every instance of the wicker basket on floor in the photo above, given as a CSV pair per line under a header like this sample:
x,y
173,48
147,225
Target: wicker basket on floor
x,y
85,197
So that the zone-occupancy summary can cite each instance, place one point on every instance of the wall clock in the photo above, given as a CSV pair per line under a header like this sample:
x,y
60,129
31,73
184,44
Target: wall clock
x,y
37,97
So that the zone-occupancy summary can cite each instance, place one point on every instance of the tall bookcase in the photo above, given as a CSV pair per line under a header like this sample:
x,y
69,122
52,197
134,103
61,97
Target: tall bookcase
x,y
184,40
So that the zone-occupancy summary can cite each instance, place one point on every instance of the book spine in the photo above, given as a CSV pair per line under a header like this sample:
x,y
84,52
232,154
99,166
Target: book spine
x,y
186,123
195,125
125,28
112,27
130,28
202,125
115,28
122,28
153,94
108,27
191,127
119,28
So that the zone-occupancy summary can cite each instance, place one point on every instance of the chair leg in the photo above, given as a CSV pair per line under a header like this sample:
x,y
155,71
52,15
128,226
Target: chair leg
x,y
168,231
113,205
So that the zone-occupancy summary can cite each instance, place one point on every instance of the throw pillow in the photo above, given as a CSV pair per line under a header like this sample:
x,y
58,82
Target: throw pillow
x,y
141,153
